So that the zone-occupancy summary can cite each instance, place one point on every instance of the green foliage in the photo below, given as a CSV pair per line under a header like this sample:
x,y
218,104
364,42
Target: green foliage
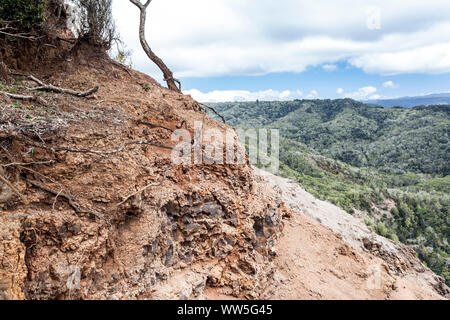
x,y
26,14
124,57
381,229
146,87
96,23
391,165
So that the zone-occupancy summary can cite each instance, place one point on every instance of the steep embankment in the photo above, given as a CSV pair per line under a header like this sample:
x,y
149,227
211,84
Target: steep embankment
x,y
326,253
93,207
107,206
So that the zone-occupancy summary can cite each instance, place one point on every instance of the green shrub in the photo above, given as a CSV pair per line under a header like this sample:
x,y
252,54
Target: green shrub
x,y
96,23
25,14
381,229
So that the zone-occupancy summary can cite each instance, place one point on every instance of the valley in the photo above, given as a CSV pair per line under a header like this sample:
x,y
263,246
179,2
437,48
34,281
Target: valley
x,y
388,166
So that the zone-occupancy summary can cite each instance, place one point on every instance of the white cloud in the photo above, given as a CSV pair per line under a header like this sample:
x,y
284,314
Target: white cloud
x,y
313,95
340,91
234,37
390,84
243,95
363,93
429,59
329,67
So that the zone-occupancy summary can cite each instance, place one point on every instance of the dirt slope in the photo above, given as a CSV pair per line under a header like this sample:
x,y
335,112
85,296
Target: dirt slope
x,y
107,206
325,253
110,217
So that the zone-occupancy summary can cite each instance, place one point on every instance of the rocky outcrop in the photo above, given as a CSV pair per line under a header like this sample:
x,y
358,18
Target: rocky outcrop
x,y
136,256
12,259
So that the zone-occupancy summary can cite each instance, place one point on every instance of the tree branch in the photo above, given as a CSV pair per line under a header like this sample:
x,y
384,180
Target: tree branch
x,y
49,87
18,35
214,110
24,98
140,5
168,75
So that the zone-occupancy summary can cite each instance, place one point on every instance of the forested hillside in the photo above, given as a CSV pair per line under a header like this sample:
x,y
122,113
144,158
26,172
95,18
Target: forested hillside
x,y
391,140
389,166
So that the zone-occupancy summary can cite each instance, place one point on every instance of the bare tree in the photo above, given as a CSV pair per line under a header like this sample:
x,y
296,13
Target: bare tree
x,y
96,24
168,75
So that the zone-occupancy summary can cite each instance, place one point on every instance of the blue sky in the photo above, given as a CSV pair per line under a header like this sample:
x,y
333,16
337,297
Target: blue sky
x,y
326,83
280,50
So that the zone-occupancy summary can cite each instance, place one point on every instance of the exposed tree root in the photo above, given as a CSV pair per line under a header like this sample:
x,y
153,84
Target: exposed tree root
x,y
51,88
154,125
100,152
153,184
24,98
183,123
14,189
120,65
19,35
25,163
70,40
70,200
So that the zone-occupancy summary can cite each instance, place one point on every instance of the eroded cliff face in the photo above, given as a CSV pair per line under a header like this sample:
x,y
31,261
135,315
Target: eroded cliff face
x,y
12,259
100,211
109,215
162,232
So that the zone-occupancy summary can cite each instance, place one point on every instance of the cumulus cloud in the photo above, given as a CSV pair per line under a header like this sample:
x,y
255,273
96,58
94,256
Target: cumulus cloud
x,y
234,37
431,59
363,93
329,67
390,84
313,95
243,95
340,91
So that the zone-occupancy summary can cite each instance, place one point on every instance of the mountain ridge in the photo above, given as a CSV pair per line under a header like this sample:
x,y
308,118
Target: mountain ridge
x,y
412,101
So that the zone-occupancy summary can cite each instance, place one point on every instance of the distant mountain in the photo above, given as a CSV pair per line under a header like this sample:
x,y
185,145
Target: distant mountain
x,y
411,102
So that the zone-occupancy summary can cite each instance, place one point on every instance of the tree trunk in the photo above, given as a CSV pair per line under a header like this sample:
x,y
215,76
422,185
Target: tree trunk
x,y
168,75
